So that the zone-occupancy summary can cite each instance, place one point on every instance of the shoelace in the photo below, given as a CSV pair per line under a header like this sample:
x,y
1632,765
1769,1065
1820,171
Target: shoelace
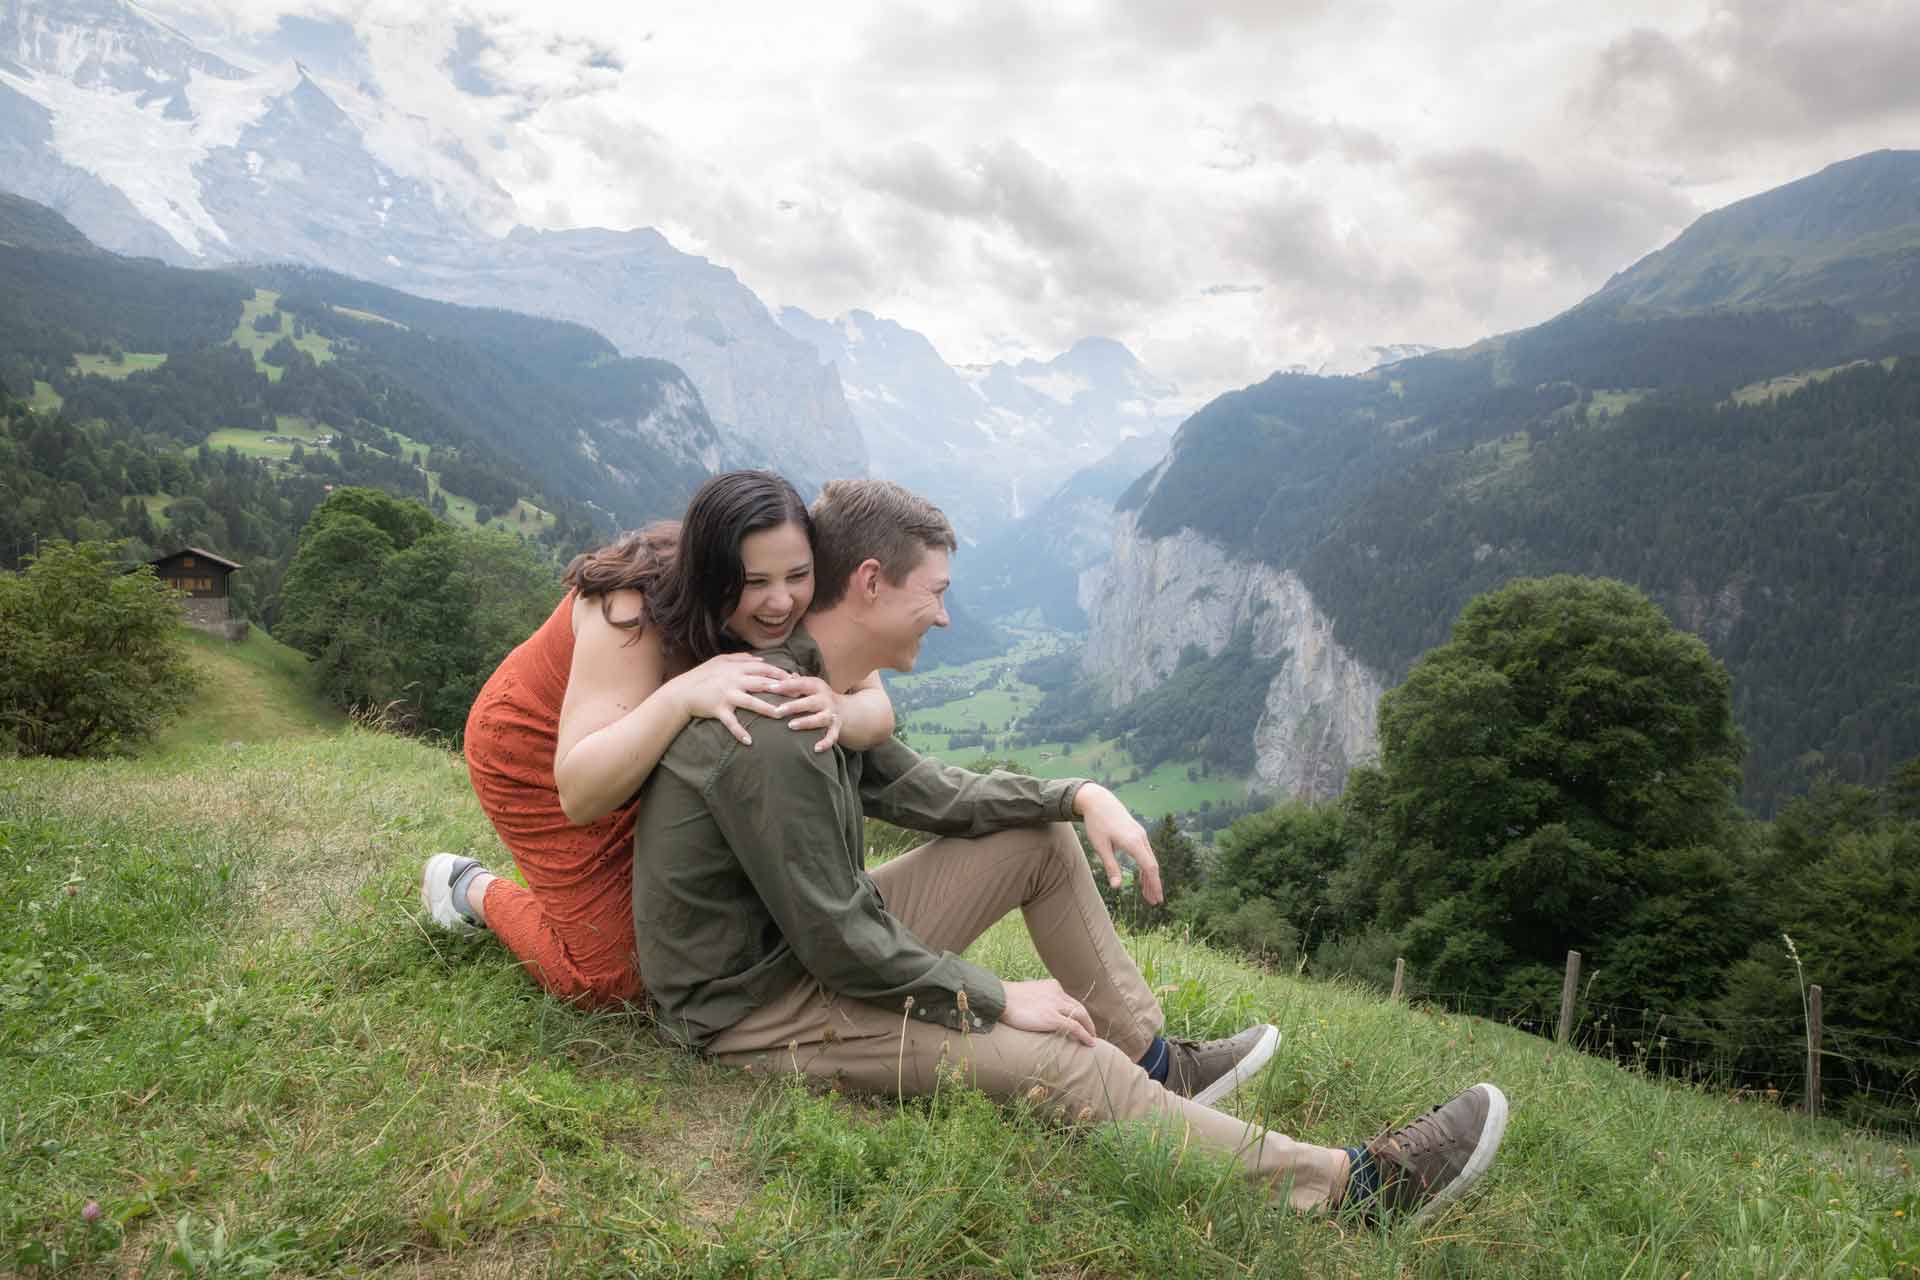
x,y
1396,1150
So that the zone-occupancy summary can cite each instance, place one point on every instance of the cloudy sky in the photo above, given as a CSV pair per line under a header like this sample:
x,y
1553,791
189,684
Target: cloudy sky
x,y
1228,188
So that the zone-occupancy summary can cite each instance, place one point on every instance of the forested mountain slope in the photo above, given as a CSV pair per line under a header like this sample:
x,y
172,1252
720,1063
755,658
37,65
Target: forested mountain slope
x,y
1848,236
544,408
157,146
1653,434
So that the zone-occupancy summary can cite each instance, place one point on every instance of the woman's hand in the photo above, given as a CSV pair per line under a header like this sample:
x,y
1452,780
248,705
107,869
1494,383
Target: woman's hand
x,y
814,705
724,685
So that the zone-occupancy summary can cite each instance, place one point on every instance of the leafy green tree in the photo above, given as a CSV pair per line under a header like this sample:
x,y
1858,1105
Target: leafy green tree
x,y
323,602
1559,775
95,659
414,627
402,520
1839,874
1179,860
1268,889
445,612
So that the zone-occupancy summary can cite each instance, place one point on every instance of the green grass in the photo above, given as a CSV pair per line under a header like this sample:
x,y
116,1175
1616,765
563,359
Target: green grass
x,y
247,338
464,511
1164,789
256,444
357,314
1786,384
130,362
1614,403
45,398
1501,458
222,1021
255,690
993,710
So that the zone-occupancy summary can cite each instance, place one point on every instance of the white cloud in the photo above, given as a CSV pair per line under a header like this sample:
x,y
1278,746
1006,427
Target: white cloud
x,y
1227,188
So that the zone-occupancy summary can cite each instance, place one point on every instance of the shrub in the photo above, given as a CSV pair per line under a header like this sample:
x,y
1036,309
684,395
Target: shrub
x,y
95,656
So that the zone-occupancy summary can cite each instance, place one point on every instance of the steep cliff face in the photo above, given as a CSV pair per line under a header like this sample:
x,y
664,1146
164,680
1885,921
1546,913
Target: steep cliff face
x,y
1156,596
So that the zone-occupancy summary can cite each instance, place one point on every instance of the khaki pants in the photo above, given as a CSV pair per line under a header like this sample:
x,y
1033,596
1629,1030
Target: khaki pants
x,y
949,892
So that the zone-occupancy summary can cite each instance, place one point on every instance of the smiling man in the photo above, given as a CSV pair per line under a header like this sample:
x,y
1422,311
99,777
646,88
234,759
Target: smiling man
x,y
766,943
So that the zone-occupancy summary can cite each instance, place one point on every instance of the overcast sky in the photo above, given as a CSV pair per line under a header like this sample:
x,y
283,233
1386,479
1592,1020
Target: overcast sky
x,y
1227,188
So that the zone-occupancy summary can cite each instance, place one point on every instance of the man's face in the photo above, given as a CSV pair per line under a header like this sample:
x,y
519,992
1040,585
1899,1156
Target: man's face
x,y
902,615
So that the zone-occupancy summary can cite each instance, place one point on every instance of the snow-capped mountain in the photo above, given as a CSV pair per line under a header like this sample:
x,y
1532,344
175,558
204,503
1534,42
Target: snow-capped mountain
x,y
1362,359
987,442
155,147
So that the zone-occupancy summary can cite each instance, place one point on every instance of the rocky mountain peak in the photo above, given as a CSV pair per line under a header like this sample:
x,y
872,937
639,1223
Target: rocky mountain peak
x,y
104,44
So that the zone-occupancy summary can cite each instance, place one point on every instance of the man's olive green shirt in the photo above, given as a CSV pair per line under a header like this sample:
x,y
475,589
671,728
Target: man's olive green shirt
x,y
749,870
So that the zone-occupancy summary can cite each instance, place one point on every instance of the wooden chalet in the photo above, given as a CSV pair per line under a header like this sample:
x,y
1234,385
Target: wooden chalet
x,y
203,576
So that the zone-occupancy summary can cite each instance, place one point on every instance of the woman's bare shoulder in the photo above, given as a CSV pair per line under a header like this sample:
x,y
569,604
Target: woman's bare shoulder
x,y
616,611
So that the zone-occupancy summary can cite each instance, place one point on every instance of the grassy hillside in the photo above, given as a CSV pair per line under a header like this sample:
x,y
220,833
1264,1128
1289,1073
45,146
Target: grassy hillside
x,y
252,691
222,1020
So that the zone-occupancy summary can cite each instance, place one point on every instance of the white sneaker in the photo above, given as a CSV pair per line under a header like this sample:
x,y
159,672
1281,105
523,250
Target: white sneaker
x,y
436,891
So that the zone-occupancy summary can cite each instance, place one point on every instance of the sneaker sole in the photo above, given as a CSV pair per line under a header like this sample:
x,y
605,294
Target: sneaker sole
x,y
1481,1159
1243,1070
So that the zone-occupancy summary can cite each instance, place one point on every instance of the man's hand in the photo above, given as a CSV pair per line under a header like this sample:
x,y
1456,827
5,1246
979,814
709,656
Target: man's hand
x,y
1111,827
1044,1006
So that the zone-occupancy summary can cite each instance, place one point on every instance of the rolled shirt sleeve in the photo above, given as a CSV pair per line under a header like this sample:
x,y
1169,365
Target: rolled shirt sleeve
x,y
901,786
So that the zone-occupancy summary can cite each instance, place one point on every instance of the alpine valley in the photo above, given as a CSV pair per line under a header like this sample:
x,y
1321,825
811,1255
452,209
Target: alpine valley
x,y
224,288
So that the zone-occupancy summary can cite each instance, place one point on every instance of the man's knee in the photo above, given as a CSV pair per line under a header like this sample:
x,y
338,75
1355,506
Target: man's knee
x,y
1056,1075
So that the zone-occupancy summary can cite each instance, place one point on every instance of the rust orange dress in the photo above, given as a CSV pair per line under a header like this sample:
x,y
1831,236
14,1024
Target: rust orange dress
x,y
572,925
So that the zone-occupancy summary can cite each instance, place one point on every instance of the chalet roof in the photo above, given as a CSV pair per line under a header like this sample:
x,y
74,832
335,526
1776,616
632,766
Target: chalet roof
x,y
196,551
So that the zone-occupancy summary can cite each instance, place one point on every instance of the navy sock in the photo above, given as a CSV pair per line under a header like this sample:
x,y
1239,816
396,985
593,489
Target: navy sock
x,y
462,883
1156,1060
1363,1176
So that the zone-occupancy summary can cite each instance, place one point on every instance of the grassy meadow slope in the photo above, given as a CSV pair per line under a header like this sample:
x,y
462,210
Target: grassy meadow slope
x,y
251,691
222,1019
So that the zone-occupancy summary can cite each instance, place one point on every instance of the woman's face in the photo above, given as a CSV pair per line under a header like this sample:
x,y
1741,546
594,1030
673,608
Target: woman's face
x,y
779,586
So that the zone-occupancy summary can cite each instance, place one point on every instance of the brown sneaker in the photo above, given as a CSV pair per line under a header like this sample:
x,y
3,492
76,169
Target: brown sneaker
x,y
1209,1070
1425,1165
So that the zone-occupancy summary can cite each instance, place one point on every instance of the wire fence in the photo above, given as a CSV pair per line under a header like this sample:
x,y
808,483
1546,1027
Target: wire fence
x,y
1866,1078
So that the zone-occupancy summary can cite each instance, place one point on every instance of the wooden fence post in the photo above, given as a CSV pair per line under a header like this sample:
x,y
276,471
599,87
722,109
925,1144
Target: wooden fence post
x,y
1813,1051
1399,975
1567,989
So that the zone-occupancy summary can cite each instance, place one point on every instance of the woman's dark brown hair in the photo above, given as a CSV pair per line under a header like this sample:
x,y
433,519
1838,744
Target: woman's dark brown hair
x,y
689,573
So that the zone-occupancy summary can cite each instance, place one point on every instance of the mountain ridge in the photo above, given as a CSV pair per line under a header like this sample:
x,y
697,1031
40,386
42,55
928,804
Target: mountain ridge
x,y
1780,247
1398,495
237,166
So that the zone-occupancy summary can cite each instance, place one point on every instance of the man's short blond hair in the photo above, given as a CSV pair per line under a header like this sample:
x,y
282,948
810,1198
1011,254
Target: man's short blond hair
x,y
859,520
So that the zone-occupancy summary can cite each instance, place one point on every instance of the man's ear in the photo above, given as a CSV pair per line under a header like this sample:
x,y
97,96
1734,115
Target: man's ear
x,y
866,580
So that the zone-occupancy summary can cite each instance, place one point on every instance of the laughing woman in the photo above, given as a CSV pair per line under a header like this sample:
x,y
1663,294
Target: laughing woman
x,y
654,631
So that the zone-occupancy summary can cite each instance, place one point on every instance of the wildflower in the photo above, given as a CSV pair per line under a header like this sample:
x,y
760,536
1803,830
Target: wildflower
x,y
91,1213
